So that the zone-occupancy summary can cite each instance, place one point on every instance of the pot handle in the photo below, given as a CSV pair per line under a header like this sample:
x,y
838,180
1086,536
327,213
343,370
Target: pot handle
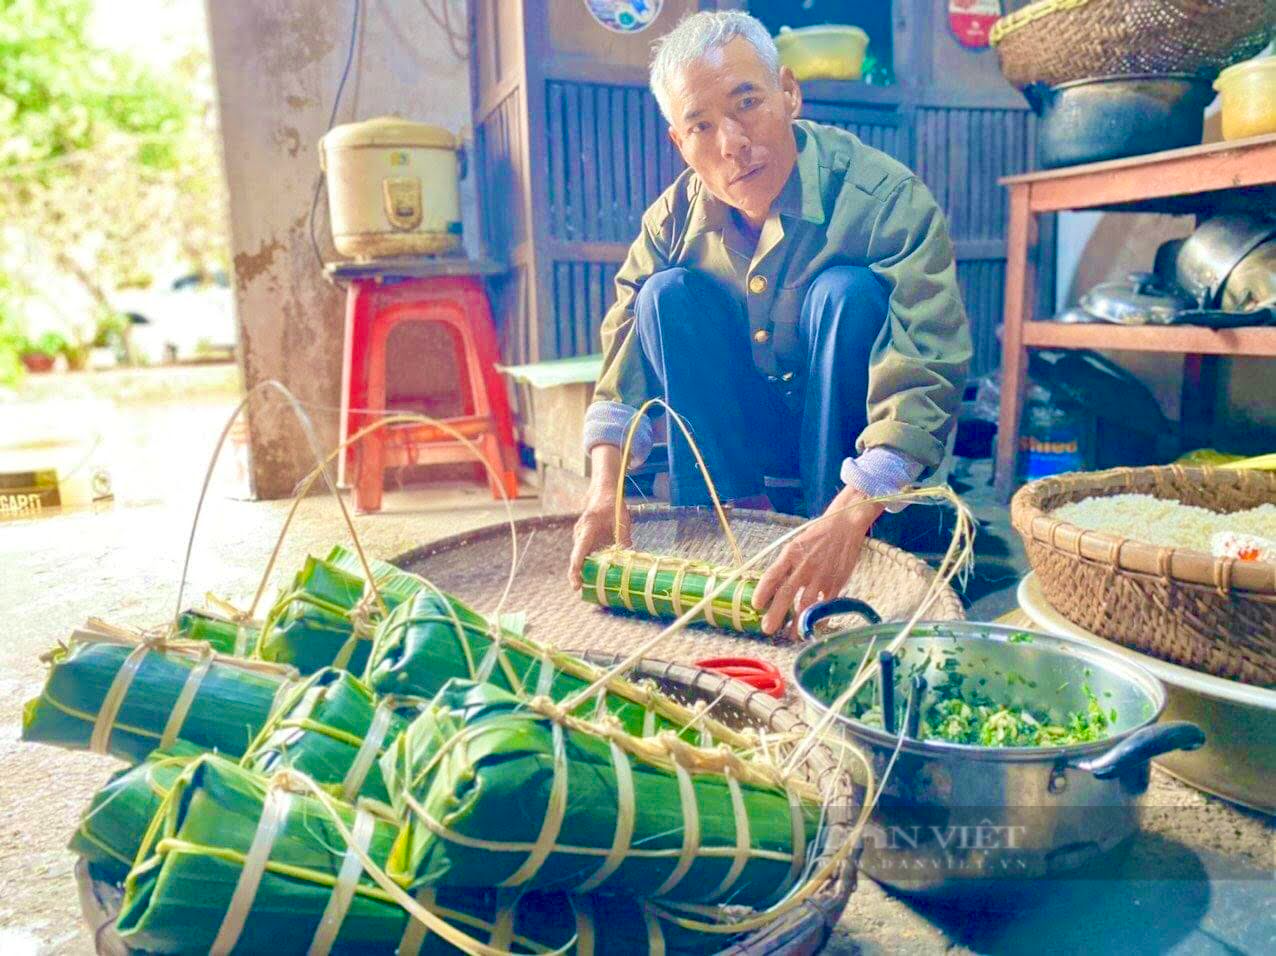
x,y
839,605
1141,746
1040,97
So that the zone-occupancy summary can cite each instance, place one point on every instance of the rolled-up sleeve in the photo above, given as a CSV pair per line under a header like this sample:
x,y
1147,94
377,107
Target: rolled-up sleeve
x,y
919,362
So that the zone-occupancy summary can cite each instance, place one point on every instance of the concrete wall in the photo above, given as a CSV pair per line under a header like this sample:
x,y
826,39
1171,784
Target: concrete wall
x,y
277,64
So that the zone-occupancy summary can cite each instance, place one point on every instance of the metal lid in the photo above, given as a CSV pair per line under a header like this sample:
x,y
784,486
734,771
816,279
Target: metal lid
x,y
388,131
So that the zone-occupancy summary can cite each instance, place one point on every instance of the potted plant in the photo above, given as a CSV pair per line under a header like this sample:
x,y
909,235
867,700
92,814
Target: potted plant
x,y
38,355
77,355
110,341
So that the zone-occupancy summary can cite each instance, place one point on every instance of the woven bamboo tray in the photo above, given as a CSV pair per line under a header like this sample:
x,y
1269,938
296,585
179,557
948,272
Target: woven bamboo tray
x,y
474,567
799,932
1187,607
1058,41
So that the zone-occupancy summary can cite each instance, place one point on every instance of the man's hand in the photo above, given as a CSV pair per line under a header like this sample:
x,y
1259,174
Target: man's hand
x,y
818,562
597,522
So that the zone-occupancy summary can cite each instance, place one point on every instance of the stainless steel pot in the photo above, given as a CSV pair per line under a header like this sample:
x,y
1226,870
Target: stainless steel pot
x,y
1109,117
972,823
1208,256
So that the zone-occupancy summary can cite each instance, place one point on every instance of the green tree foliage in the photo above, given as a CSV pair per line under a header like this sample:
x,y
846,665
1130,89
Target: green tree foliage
x,y
108,168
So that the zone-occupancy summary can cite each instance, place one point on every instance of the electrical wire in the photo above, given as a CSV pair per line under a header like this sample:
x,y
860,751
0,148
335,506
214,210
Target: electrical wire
x,y
321,182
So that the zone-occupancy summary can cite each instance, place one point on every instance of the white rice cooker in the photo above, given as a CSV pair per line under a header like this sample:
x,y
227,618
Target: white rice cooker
x,y
393,188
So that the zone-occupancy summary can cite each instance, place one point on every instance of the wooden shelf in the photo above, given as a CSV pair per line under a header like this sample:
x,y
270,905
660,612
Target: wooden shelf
x,y
1176,181
1183,339
1202,180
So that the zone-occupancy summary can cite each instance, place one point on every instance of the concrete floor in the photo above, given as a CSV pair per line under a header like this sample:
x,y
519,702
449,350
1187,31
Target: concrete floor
x,y
1216,890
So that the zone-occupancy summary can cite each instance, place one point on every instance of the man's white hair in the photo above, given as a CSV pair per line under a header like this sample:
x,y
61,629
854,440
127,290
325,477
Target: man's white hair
x,y
697,35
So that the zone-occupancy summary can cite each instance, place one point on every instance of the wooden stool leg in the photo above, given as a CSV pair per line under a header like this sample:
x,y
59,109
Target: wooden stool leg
x,y
504,454
360,310
371,478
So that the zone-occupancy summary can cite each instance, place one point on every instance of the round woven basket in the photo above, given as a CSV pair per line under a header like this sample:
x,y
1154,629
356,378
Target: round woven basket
x,y
800,931
474,566
1212,614
1058,41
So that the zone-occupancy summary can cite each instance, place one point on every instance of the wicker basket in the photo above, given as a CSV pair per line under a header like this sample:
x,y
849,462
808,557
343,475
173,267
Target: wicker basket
x,y
1058,41
1186,607
799,932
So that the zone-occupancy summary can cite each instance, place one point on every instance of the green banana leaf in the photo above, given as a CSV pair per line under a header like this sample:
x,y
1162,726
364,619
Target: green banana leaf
x,y
625,587
223,634
434,638
176,898
394,584
312,625
321,728
478,783
111,829
230,705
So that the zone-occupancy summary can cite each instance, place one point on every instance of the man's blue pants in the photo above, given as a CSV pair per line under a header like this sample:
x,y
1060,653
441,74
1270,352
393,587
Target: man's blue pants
x,y
749,427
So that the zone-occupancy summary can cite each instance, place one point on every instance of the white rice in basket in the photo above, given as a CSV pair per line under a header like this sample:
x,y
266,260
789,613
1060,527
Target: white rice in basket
x,y
1169,524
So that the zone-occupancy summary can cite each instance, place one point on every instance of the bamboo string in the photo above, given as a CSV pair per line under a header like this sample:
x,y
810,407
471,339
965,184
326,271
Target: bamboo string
x,y
431,922
307,427
797,897
370,748
582,670
321,470
182,708
956,559
274,814
627,449
334,913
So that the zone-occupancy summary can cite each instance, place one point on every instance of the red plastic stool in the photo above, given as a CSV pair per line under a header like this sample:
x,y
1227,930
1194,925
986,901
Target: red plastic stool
x,y
375,305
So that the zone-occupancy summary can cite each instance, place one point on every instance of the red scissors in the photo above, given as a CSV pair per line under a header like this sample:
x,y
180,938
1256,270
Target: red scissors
x,y
759,675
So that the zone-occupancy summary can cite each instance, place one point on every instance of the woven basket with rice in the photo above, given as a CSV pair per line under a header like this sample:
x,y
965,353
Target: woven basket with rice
x,y
1183,605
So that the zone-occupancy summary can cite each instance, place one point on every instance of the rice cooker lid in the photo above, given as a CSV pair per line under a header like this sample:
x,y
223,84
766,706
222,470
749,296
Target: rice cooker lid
x,y
389,131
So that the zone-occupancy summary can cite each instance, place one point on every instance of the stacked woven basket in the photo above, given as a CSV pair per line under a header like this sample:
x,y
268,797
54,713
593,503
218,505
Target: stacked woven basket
x,y
451,785
1211,614
1059,41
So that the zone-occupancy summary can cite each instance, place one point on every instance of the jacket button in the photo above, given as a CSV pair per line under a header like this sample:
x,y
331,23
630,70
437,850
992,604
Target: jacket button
x,y
757,285
786,377
761,336
772,378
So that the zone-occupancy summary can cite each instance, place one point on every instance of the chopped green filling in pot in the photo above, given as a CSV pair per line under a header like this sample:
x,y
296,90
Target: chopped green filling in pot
x,y
970,717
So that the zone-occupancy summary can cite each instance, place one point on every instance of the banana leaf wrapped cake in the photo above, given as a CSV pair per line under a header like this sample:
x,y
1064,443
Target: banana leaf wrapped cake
x,y
327,616
234,861
124,696
332,728
662,586
226,636
111,830
518,794
434,638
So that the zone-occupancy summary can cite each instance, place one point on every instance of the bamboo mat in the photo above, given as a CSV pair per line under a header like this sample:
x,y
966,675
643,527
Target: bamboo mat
x,y
474,567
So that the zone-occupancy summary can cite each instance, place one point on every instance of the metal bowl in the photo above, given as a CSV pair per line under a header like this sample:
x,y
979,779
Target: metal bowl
x,y
1238,762
976,823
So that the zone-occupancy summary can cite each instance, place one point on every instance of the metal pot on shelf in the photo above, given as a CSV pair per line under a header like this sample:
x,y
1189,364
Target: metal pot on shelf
x,y
979,824
1110,117
1205,261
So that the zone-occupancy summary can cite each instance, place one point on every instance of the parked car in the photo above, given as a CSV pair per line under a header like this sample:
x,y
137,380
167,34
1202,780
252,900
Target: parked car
x,y
189,319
